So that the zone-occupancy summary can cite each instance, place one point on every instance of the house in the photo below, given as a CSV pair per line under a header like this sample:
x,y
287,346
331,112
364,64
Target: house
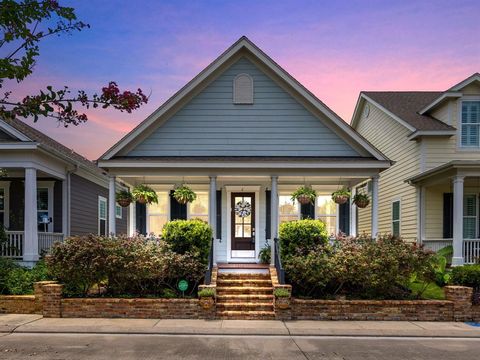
x,y
243,131
431,193
49,192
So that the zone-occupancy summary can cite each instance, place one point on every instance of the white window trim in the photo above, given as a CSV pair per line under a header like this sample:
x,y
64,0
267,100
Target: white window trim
x,y
49,186
117,216
460,147
399,216
104,199
5,185
235,101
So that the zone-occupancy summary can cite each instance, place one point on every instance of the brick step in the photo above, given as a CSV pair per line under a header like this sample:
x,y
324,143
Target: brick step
x,y
244,290
244,298
246,315
245,306
244,282
233,276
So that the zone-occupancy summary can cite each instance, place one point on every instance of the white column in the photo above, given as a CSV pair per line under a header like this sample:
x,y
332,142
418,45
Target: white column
x,y
132,219
65,207
273,217
111,206
374,206
353,214
212,212
30,251
457,220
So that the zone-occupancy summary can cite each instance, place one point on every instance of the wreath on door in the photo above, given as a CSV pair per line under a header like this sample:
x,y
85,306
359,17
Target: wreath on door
x,y
243,209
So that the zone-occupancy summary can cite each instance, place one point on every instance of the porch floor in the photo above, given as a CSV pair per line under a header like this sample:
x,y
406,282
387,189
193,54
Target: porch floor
x,y
242,266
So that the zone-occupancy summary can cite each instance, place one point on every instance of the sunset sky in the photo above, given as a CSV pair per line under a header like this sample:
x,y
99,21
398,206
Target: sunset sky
x,y
334,48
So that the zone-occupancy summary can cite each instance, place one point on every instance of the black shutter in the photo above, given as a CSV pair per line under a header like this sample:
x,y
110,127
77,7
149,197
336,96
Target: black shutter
x,y
307,211
141,218
344,218
447,215
268,212
177,211
219,214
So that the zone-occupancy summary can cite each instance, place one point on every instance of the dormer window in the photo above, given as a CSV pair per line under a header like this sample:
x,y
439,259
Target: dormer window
x,y
470,136
243,89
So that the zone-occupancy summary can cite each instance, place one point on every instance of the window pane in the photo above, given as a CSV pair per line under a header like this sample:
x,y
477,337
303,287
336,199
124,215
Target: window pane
x,y
162,206
470,135
469,224
470,205
396,228
287,206
396,210
118,211
325,205
155,223
42,199
285,218
330,224
199,207
102,209
2,199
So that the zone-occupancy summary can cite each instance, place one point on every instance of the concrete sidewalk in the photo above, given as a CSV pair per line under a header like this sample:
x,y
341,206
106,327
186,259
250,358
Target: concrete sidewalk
x,y
37,324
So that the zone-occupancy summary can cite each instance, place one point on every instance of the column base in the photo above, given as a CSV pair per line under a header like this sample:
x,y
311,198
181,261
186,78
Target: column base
x,y
457,261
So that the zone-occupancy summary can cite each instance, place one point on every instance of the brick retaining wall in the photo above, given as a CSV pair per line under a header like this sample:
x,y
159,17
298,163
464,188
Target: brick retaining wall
x,y
17,304
422,310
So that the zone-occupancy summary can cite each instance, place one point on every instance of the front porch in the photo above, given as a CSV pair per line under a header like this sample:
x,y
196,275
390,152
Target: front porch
x,y
449,209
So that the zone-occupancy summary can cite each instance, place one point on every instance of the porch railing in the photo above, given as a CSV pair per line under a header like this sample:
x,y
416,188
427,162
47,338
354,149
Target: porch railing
x,y
208,273
471,248
278,262
13,248
15,245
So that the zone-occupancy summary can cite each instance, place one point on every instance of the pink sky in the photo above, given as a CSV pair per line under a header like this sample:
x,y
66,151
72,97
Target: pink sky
x,y
335,50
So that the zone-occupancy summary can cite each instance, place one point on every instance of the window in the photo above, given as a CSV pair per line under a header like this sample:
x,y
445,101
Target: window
x,y
327,212
158,214
470,216
288,209
43,215
243,89
2,206
396,218
198,209
118,211
102,216
470,136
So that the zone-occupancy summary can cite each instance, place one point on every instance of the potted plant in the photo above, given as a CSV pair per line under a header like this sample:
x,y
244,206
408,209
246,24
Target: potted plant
x,y
361,200
264,254
124,198
183,194
304,195
207,298
144,194
341,196
282,298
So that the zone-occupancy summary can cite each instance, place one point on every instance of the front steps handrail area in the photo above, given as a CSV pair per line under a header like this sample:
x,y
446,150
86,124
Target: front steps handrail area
x,y
278,262
208,273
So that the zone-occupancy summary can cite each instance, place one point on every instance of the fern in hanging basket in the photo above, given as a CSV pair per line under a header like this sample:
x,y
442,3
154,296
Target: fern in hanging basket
x,y
144,194
304,195
361,200
183,194
341,196
124,198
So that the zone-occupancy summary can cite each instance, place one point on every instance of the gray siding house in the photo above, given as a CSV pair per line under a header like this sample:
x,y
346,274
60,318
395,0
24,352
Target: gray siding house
x,y
50,192
243,131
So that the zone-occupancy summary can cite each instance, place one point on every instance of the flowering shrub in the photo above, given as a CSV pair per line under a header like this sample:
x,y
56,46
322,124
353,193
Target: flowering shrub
x,y
300,236
122,266
360,268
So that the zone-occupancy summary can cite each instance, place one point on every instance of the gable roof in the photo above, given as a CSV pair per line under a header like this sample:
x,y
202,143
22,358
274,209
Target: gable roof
x,y
243,44
27,133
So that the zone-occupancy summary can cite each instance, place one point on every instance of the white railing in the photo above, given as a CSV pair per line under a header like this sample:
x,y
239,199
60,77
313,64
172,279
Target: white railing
x,y
436,244
47,239
471,250
13,248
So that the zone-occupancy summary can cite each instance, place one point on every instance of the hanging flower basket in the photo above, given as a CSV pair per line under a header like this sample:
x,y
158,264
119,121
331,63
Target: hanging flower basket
x,y
304,195
124,198
341,196
361,200
144,194
183,194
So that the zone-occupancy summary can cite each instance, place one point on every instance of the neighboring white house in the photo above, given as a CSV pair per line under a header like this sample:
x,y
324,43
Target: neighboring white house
x,y
431,193
49,192
243,130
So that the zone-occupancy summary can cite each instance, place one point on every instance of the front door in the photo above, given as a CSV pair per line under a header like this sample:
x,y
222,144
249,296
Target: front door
x,y
243,225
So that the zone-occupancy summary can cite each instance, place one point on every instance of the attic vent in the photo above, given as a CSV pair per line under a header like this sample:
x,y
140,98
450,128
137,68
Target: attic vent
x,y
243,89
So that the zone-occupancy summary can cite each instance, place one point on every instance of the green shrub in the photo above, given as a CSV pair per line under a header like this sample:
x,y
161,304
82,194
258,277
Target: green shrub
x,y
281,293
18,280
6,266
301,236
264,254
169,294
360,268
188,236
467,275
206,292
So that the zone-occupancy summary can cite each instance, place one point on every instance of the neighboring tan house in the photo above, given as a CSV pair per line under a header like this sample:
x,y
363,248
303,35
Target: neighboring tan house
x,y
242,131
49,192
431,193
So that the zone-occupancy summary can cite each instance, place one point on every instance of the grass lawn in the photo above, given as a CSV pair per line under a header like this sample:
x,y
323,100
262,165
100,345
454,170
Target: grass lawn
x,y
432,292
